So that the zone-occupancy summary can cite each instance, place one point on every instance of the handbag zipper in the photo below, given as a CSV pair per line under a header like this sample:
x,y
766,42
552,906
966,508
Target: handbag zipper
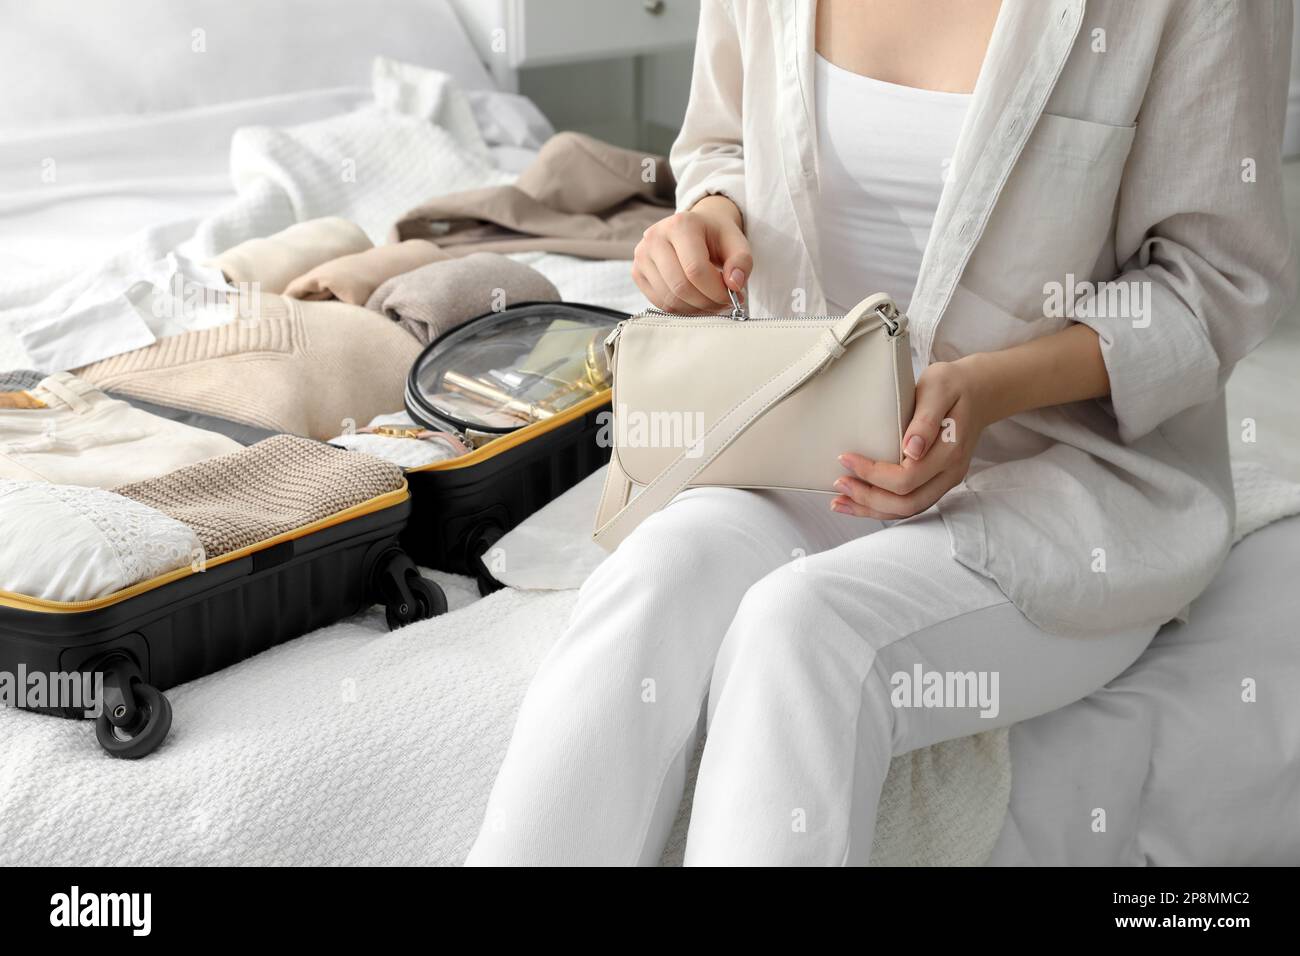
x,y
888,312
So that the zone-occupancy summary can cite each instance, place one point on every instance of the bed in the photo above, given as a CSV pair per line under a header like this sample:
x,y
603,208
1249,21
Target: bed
x,y
353,745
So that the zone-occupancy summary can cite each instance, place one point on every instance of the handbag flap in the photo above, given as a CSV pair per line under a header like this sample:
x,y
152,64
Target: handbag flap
x,y
674,377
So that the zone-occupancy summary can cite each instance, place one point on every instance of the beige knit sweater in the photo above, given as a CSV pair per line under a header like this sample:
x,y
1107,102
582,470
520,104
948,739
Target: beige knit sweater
x,y
279,485
306,368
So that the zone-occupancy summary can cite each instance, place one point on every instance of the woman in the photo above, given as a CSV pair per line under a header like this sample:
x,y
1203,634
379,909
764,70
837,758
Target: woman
x,y
1080,210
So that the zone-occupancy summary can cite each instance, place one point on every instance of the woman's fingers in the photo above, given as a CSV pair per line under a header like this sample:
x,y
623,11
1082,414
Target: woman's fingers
x,y
652,256
937,392
692,252
671,272
689,261
847,506
886,504
648,279
730,247
641,275
653,287
900,479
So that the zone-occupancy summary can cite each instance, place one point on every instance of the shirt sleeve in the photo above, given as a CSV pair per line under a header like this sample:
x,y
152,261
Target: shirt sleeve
x,y
708,156
1200,224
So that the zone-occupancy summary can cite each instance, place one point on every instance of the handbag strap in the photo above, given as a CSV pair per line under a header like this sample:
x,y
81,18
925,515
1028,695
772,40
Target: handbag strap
x,y
619,512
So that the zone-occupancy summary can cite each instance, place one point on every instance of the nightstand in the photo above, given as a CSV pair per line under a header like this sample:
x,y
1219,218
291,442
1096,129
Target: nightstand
x,y
618,69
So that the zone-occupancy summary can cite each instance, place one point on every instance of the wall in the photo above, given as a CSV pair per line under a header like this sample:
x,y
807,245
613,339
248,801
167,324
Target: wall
x,y
1292,142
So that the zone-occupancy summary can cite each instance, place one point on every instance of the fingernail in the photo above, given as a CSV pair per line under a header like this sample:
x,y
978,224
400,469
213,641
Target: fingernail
x,y
844,460
736,278
841,508
841,486
915,447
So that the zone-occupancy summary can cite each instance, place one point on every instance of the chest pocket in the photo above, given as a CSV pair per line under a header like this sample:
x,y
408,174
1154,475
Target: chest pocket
x,y
1055,215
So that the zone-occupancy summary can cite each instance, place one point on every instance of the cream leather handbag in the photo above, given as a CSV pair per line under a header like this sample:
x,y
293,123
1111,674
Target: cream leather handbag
x,y
749,403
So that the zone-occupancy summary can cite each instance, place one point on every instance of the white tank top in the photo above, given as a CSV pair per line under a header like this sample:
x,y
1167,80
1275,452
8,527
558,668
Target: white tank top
x,y
883,157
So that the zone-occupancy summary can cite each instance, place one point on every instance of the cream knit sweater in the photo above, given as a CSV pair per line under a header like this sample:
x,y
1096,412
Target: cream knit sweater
x,y
306,368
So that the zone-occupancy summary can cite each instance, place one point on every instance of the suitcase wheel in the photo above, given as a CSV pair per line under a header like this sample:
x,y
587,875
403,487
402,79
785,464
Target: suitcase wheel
x,y
478,543
407,597
430,601
131,736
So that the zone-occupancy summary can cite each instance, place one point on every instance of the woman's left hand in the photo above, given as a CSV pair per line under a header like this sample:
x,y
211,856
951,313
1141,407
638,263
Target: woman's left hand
x,y
937,449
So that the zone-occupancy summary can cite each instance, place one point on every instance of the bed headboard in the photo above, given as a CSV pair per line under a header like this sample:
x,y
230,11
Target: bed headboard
x,y
63,60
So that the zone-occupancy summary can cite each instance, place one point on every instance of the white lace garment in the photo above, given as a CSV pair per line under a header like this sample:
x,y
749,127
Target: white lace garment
x,y
68,543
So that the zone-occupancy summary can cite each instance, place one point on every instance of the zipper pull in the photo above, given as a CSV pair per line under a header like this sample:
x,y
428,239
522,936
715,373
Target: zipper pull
x,y
613,336
611,341
738,313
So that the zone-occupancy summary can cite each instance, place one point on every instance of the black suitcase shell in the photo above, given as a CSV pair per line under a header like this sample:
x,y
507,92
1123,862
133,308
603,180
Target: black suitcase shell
x,y
186,624
462,506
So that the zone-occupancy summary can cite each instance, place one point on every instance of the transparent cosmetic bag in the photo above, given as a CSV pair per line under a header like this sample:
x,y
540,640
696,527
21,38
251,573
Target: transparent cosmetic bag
x,y
527,391
505,370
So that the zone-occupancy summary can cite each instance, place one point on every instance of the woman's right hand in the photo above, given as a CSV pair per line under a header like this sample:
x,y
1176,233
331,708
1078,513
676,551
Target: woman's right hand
x,y
687,262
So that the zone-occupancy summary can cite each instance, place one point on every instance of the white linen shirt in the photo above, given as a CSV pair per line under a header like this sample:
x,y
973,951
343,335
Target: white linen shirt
x,y
1133,142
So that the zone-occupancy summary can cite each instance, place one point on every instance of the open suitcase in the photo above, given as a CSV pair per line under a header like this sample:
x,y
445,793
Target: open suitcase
x,y
463,505
193,621
185,624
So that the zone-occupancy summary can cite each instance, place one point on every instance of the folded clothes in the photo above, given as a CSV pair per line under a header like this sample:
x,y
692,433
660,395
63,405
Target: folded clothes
x,y
433,299
416,447
19,379
355,278
65,430
78,544
306,368
239,432
403,452
273,487
128,308
580,197
277,260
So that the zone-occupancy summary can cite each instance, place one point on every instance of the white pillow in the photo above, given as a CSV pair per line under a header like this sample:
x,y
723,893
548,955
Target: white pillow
x,y
66,60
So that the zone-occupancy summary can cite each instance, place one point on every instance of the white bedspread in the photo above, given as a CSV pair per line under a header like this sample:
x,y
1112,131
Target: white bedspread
x,y
417,139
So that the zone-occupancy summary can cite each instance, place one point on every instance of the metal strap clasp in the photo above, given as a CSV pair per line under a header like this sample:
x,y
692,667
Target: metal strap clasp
x,y
889,316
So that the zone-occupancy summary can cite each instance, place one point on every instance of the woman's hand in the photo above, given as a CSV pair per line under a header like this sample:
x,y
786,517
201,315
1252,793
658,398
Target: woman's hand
x,y
955,402
687,262
937,449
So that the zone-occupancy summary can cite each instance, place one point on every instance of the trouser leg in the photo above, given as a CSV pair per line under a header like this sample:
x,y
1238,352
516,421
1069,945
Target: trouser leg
x,y
595,769
803,720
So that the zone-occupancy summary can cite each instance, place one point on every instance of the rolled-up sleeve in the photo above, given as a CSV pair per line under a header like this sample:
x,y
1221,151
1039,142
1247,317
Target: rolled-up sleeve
x,y
708,156
1201,228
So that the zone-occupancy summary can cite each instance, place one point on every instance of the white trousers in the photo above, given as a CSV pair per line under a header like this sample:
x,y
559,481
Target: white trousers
x,y
795,623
